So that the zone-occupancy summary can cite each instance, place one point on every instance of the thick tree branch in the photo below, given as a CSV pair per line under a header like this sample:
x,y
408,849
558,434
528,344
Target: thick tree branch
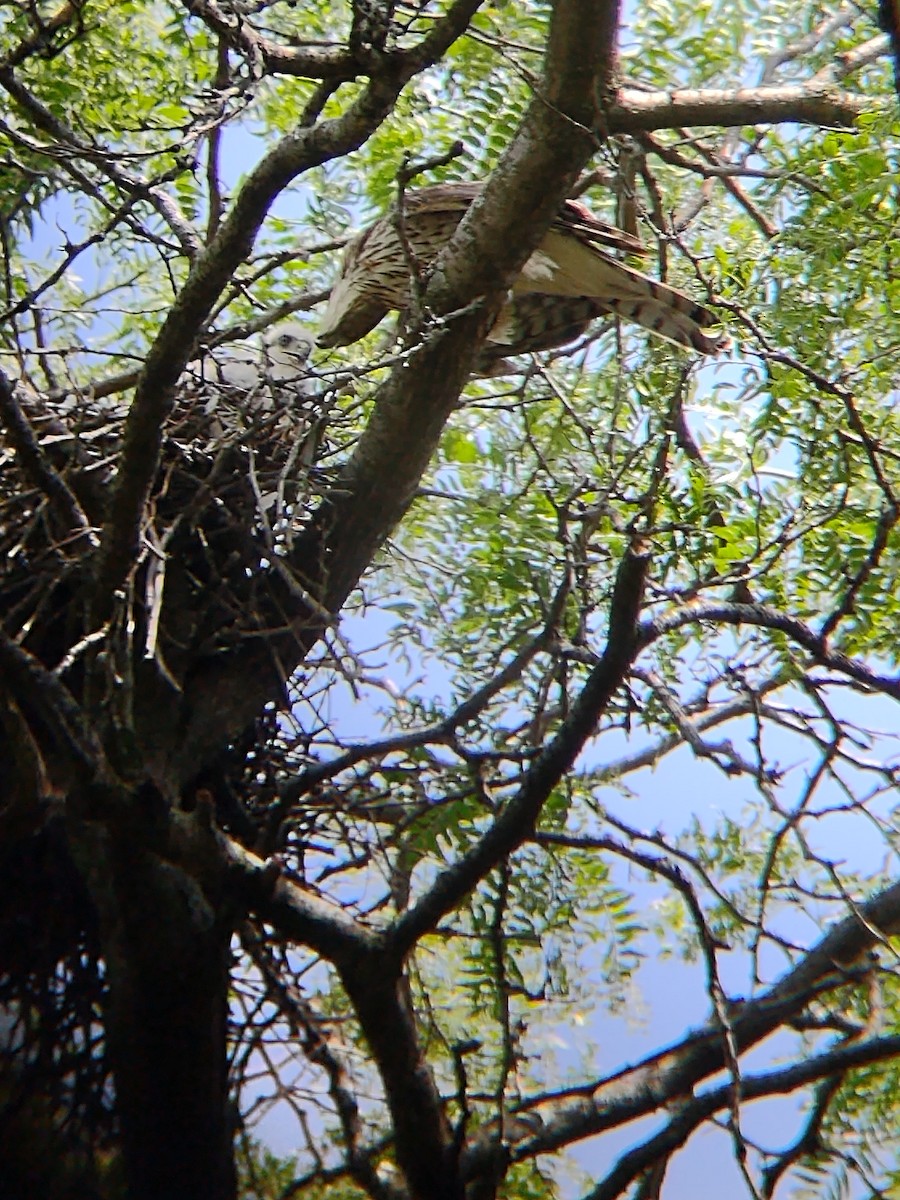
x,y
673,1074
331,64
635,111
753,1087
260,887
423,1141
306,1025
334,64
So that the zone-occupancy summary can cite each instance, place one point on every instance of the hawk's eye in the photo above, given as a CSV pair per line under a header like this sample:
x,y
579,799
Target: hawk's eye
x,y
284,339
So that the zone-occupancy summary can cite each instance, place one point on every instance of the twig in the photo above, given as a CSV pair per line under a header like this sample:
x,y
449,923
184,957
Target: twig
x,y
38,468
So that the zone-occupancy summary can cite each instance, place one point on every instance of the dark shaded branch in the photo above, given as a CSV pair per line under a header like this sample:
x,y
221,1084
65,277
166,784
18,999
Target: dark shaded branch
x,y
810,1140
37,688
516,822
260,887
753,1087
889,20
764,617
423,1139
36,465
306,1025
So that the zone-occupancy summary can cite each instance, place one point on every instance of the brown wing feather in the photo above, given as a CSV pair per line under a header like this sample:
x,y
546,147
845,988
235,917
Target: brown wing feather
x,y
572,263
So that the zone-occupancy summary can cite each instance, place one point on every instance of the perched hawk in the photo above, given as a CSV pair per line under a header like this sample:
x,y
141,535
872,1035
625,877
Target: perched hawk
x,y
571,279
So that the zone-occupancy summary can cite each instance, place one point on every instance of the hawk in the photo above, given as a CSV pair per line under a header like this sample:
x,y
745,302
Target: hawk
x,y
571,279
266,390
242,387
258,377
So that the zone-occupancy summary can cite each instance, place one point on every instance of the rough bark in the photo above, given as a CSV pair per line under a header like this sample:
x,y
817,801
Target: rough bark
x,y
166,932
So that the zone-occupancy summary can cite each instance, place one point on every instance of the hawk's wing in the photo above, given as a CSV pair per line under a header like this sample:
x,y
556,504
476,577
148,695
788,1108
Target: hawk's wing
x,y
573,262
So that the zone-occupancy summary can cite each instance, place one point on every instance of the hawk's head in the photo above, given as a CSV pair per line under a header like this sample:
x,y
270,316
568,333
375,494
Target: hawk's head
x,y
368,287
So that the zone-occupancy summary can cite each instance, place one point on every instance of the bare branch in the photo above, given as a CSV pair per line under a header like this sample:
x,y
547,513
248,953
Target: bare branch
x,y
38,467
810,1140
636,111
697,1110
806,43
29,681
310,62
517,820
132,185
764,617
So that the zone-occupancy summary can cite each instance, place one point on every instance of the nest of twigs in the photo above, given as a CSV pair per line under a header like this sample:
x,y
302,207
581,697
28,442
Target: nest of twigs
x,y
235,484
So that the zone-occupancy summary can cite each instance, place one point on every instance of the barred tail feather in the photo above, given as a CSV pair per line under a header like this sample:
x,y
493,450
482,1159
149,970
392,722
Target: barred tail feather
x,y
533,321
566,267
670,315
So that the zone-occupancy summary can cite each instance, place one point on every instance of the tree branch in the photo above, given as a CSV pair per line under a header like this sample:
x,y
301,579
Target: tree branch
x,y
673,1073
260,887
636,111
753,1087
37,688
516,822
211,272
764,617
37,467
310,62
132,185
442,732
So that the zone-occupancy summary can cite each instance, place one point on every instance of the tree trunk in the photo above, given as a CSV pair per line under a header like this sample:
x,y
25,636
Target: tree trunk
x,y
166,944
